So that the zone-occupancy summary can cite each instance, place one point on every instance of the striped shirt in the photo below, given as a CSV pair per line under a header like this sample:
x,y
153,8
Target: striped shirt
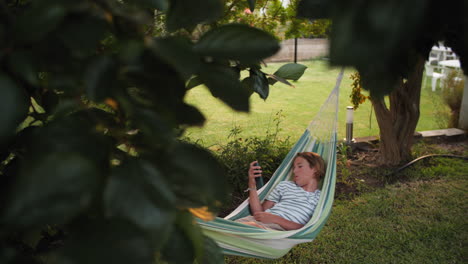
x,y
292,202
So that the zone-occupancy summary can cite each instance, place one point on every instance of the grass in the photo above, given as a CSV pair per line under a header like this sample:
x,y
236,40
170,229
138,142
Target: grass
x,y
298,106
420,220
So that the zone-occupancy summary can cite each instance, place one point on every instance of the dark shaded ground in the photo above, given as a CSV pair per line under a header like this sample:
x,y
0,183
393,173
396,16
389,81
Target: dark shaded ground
x,y
358,171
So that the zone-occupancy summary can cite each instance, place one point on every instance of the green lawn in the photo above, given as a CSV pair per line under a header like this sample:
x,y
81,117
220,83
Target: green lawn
x,y
298,105
420,220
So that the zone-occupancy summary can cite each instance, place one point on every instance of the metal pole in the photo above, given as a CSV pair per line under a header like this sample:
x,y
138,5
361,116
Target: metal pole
x,y
295,50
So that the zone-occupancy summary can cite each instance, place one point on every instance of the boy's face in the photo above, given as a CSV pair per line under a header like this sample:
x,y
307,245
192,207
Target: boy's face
x,y
303,173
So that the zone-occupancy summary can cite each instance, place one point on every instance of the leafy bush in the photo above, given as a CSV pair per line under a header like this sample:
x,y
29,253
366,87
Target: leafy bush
x,y
238,153
452,94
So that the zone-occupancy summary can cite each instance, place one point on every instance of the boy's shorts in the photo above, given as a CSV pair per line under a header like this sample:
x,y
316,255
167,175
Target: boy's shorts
x,y
251,219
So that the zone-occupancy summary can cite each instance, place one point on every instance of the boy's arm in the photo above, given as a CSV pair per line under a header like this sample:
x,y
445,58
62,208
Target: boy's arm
x,y
254,201
255,204
276,219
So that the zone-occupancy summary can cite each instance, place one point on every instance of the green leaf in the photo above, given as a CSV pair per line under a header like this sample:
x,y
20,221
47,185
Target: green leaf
x,y
179,249
224,83
186,242
248,84
52,190
156,4
193,82
211,252
99,241
65,107
67,84
189,13
100,78
186,223
189,115
37,107
156,83
252,4
291,71
314,9
76,133
389,33
260,83
14,105
130,51
179,54
198,178
2,32
50,100
154,129
378,81
82,35
38,21
22,63
148,201
8,254
237,42
272,79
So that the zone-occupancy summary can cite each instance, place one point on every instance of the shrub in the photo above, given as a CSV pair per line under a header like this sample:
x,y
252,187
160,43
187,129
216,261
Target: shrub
x,y
452,93
237,154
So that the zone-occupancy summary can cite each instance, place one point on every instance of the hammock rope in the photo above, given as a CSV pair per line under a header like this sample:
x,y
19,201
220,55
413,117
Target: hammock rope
x,y
244,240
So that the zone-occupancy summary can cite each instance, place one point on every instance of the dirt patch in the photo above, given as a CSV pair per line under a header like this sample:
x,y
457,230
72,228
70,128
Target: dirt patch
x,y
358,171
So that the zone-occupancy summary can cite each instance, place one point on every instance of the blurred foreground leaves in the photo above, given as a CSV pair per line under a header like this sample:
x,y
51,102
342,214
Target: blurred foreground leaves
x,y
383,39
91,105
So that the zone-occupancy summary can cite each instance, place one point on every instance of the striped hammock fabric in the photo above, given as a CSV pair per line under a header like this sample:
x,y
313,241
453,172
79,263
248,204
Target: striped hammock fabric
x,y
244,240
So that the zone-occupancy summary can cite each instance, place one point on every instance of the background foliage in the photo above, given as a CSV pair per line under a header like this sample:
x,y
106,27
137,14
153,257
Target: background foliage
x,y
276,17
452,94
236,155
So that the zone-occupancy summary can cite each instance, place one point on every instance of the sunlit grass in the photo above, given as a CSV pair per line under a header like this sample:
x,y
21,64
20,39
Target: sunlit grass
x,y
298,106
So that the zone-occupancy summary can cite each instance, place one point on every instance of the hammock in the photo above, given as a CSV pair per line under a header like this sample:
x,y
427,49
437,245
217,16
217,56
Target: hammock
x,y
244,240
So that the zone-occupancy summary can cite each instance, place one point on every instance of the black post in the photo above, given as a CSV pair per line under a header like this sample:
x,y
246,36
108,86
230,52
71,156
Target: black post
x,y
295,50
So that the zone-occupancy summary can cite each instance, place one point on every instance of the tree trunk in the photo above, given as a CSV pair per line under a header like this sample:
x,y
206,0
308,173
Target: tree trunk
x,y
398,122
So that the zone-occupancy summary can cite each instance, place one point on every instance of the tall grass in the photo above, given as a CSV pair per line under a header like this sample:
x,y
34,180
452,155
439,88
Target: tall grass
x,y
299,105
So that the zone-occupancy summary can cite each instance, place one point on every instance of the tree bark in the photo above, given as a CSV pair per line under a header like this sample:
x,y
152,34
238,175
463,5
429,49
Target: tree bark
x,y
398,122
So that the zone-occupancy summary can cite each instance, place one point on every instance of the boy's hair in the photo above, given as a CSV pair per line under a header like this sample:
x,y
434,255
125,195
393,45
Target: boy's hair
x,y
315,161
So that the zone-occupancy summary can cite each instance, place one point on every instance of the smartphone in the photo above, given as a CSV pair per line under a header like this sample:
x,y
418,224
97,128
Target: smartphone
x,y
258,180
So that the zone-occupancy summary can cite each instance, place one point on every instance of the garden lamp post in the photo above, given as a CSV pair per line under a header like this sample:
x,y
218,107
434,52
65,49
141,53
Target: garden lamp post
x,y
349,124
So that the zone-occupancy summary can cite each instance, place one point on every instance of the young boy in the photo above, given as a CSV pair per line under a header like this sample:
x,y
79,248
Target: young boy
x,y
292,203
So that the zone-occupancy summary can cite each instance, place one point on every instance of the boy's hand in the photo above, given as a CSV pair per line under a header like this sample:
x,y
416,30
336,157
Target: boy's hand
x,y
254,170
